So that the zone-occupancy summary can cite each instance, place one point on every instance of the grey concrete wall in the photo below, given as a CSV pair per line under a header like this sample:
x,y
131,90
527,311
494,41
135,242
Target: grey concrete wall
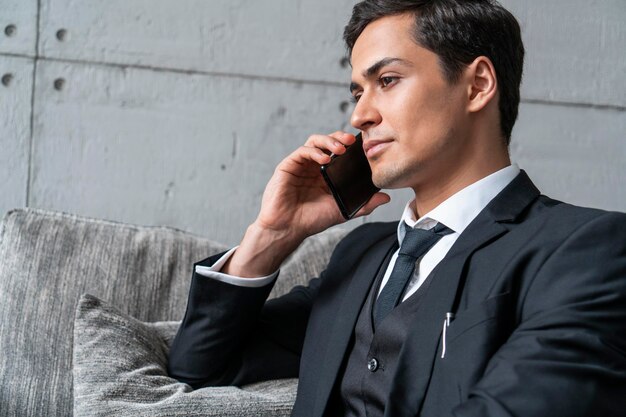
x,y
176,112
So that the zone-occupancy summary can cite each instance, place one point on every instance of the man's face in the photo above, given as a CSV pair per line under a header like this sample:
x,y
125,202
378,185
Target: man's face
x,y
413,121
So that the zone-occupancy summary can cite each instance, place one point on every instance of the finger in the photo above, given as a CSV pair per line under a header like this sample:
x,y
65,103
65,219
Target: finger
x,y
327,143
373,203
345,138
305,154
334,143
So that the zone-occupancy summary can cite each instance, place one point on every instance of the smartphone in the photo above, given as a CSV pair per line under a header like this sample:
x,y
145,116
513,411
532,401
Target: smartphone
x,y
349,178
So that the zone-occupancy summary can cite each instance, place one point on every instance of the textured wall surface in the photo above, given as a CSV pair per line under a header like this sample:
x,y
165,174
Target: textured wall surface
x,y
176,112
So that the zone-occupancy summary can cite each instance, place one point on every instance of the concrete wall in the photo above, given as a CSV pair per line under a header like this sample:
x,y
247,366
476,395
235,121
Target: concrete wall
x,y
176,112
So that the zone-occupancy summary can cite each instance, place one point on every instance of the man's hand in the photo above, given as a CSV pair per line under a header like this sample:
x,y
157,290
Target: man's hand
x,y
296,204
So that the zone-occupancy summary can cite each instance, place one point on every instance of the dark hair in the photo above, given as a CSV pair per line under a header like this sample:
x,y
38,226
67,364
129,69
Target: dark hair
x,y
458,31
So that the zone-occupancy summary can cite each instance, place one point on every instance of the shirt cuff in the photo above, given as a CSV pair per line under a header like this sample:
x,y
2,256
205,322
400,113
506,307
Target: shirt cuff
x,y
213,272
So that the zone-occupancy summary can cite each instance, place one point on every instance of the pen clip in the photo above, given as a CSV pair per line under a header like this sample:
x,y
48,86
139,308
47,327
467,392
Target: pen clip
x,y
446,323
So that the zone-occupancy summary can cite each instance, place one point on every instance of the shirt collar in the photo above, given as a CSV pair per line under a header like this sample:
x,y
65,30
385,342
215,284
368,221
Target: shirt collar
x,y
458,211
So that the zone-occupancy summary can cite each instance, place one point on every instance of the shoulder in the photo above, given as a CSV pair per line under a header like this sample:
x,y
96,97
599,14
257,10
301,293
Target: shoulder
x,y
578,260
369,233
565,219
592,229
555,239
578,241
374,230
362,238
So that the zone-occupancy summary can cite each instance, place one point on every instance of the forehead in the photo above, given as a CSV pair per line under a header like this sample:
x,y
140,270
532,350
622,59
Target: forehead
x,y
389,36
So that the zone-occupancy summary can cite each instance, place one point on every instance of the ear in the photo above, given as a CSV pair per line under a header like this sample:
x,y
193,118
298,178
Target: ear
x,y
483,83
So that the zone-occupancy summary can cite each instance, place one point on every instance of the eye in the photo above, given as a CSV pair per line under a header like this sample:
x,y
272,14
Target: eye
x,y
355,98
385,81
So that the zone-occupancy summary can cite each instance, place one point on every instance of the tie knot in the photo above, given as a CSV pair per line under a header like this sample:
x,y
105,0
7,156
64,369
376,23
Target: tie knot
x,y
418,241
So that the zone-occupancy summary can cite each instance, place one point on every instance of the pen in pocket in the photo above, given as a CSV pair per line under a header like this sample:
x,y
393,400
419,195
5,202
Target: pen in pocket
x,y
446,323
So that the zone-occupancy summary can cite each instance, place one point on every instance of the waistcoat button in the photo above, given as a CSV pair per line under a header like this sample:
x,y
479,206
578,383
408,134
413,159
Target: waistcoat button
x,y
372,365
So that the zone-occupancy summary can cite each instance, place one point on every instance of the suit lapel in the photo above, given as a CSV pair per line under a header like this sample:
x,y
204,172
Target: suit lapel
x,y
347,315
419,351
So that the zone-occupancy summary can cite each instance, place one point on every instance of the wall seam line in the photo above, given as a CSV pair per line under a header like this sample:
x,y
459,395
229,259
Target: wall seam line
x,y
573,104
587,105
192,72
29,175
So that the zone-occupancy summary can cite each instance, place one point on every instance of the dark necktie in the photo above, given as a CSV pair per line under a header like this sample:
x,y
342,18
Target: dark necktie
x,y
416,242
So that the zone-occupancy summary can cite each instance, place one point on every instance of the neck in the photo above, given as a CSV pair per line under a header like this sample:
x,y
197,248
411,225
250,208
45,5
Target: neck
x,y
452,178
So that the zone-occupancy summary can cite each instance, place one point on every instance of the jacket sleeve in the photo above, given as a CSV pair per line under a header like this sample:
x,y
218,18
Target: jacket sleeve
x,y
567,355
230,335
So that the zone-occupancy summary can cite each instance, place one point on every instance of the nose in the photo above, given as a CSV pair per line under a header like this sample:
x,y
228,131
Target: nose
x,y
365,113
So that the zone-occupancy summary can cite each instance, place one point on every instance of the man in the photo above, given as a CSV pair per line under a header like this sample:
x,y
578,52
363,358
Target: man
x,y
514,304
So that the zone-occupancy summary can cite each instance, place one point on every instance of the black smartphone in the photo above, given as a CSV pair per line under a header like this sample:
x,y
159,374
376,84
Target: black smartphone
x,y
349,178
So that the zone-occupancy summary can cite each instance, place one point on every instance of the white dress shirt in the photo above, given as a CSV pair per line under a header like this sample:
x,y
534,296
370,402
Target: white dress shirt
x,y
457,212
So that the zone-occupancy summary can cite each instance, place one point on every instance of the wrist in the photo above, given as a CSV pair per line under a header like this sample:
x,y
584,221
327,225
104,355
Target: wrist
x,y
261,252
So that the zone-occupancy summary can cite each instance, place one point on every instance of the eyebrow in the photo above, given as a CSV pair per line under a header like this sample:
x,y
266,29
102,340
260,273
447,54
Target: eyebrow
x,y
376,67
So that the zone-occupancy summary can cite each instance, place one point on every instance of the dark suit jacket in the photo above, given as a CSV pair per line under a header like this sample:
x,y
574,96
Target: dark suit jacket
x,y
539,292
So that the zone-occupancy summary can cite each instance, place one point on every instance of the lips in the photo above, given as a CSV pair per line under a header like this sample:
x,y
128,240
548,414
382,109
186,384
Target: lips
x,y
373,147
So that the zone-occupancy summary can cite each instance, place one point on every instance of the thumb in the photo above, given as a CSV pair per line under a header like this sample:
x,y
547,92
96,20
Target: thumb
x,y
373,203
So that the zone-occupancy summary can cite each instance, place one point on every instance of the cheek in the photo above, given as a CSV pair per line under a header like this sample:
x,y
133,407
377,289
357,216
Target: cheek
x,y
423,105
441,111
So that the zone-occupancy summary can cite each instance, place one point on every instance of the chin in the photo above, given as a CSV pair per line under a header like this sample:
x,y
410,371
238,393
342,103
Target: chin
x,y
388,179
401,174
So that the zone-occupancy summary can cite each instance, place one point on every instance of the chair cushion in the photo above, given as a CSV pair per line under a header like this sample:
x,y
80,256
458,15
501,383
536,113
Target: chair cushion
x,y
120,369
